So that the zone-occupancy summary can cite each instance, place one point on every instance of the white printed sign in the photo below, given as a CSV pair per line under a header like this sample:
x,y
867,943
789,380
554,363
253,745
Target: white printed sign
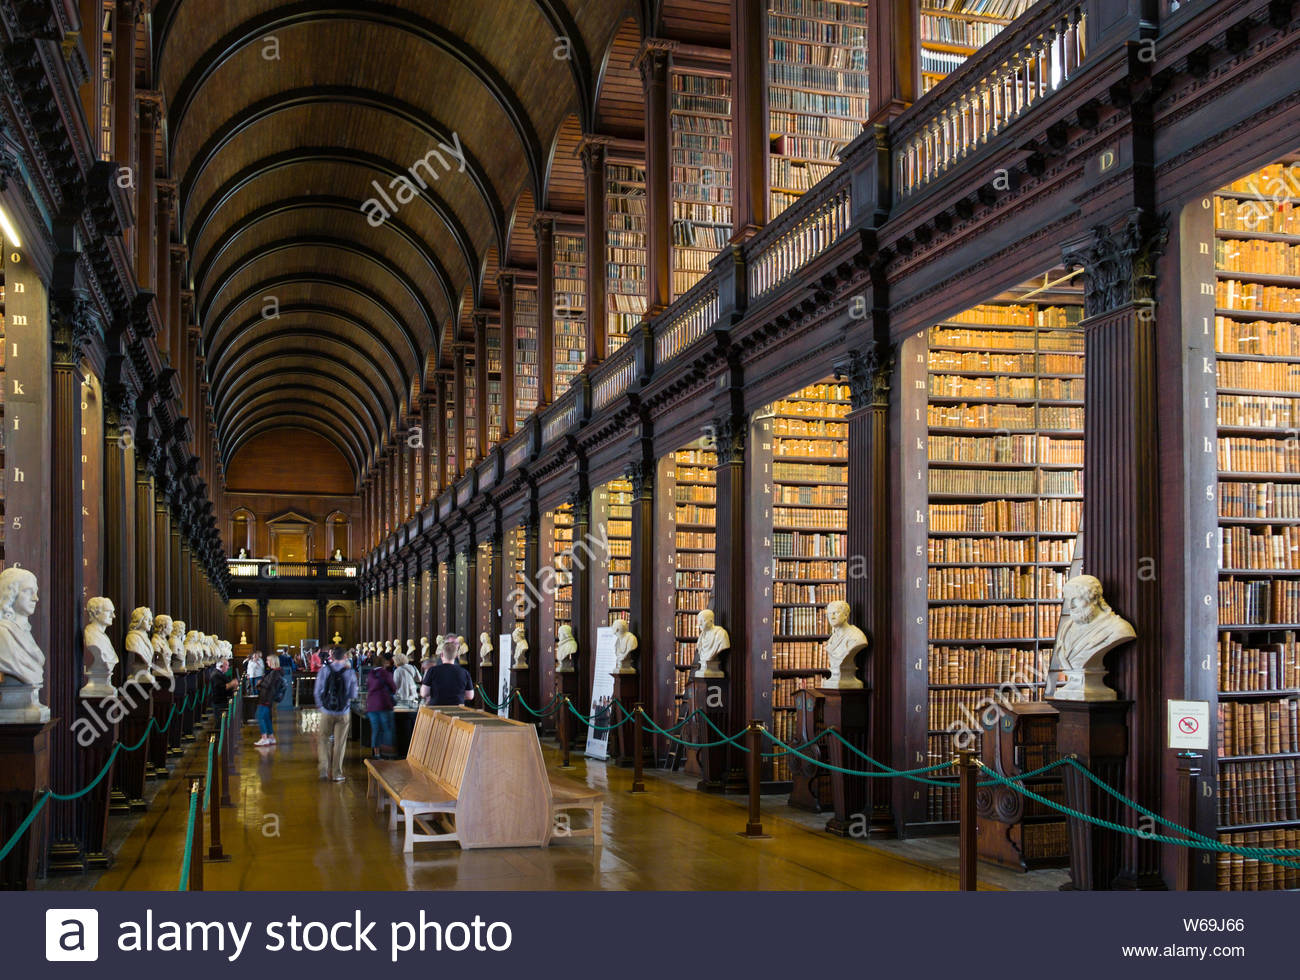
x,y
505,657
602,693
1189,725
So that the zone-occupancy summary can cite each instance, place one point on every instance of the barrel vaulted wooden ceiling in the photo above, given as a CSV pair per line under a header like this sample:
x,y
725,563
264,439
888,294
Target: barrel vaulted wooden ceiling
x,y
280,121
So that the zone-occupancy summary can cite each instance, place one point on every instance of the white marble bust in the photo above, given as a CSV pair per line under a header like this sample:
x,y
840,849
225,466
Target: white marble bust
x,y
484,650
162,651
424,650
139,646
842,648
1089,630
566,647
22,663
194,654
625,644
97,651
518,649
462,651
410,648
711,645
177,643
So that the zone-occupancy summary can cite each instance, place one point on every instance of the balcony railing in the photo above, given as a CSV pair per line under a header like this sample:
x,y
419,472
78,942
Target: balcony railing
x,y
560,416
269,568
800,235
686,321
1023,65
614,377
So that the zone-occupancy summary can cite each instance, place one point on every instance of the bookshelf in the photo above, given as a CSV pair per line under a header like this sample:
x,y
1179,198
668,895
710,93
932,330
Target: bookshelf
x,y
493,394
625,270
3,463
519,576
562,549
525,353
570,308
1257,409
1005,467
700,141
810,451
471,415
450,430
695,498
953,30
618,529
817,90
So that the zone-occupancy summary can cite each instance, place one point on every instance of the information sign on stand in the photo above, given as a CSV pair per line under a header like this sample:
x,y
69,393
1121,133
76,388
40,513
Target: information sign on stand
x,y
1189,725
602,694
505,657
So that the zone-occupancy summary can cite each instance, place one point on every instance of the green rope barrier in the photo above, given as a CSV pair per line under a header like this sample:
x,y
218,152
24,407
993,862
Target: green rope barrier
x,y
591,723
732,739
936,782
22,828
1268,855
207,783
549,709
855,772
189,845
684,722
812,741
1135,805
726,739
488,701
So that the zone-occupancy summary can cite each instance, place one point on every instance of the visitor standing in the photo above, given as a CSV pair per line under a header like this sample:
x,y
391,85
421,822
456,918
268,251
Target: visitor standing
x,y
447,683
407,677
336,687
380,688
269,691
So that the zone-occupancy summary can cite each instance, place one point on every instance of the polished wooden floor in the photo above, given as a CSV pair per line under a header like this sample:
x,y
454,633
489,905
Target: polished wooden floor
x,y
288,830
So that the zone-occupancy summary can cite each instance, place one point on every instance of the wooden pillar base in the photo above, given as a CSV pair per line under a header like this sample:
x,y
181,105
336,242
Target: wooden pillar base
x,y
162,704
188,690
848,712
1096,733
809,784
94,807
627,692
566,683
518,682
131,767
24,776
721,768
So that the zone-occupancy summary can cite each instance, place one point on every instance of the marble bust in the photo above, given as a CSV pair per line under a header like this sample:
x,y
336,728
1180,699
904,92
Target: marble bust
x,y
162,651
177,643
625,644
518,649
243,638
1089,630
842,648
424,650
194,653
565,649
410,648
22,663
462,651
98,655
710,647
139,646
484,650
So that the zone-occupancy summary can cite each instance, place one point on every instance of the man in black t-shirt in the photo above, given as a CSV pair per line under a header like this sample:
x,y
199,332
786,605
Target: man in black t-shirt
x,y
447,683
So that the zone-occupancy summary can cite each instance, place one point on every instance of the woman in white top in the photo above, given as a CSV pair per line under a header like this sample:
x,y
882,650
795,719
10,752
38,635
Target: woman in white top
x,y
407,678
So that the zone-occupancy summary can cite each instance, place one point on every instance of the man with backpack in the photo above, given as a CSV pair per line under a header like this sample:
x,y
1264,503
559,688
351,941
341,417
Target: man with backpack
x,y
336,687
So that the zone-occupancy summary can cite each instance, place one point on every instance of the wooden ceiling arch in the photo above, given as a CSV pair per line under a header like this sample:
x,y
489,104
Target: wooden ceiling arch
x,y
275,418
303,396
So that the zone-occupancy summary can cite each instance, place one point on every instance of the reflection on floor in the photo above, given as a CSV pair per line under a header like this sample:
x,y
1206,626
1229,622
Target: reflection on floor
x,y
288,830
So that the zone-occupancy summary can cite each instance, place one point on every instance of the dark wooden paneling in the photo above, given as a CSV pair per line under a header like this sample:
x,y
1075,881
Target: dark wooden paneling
x,y
291,461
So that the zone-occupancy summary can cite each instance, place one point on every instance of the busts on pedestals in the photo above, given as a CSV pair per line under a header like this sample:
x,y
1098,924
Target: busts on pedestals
x,y
22,663
566,648
177,643
484,650
519,649
139,668
462,651
214,647
1089,630
711,645
162,651
424,650
410,648
98,655
842,648
625,644
193,650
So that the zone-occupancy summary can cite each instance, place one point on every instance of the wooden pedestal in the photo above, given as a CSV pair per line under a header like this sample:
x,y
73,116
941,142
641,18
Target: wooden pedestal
x,y
627,692
718,774
162,712
848,712
1097,733
1015,831
809,784
188,691
566,683
92,809
24,776
130,768
519,682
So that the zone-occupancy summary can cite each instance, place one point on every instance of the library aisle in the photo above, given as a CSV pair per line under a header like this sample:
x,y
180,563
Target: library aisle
x,y
289,829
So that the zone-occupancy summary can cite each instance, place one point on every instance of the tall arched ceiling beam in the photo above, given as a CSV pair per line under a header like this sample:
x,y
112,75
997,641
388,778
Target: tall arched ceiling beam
x,y
351,157
214,343
348,95
217,368
374,378
369,12
331,365
328,203
247,261
563,23
275,422
308,392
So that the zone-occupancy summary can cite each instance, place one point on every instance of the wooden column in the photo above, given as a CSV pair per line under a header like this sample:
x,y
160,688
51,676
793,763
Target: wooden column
x,y
441,429
589,581
749,108
506,294
480,384
653,62
125,13
150,113
171,339
119,510
894,61
144,531
1121,512
544,229
162,551
731,598
655,675
458,407
593,150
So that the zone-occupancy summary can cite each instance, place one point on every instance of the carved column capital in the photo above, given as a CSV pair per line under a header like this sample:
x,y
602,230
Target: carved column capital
x,y
729,435
74,322
641,474
868,375
1119,263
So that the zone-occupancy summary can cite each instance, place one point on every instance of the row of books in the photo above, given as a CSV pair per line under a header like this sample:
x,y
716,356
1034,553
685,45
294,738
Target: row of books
x,y
1028,621
819,519
1007,482
791,544
783,425
699,226
1236,872
693,463
1025,389
697,540
694,579
1014,516
694,514
991,550
984,416
1019,448
1007,582
1259,411
816,595
840,131
1273,377
1259,792
828,496
693,560
820,103
793,571
985,665
940,62
1251,602
833,10
1262,548
961,710
1255,297
695,475
1242,455
799,175
694,493
1272,339
796,620
799,655
1256,500
1259,667
962,33
825,401
1008,9
1259,728
800,29
1275,180
830,448
1257,257
1032,363
783,69
1268,217
817,473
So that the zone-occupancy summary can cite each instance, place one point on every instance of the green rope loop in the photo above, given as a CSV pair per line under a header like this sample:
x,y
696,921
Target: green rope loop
x,y
812,741
549,709
22,827
184,885
590,723
207,784
725,740
856,772
488,701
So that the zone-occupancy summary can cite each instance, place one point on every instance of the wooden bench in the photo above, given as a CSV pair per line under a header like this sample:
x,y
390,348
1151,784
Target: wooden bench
x,y
569,794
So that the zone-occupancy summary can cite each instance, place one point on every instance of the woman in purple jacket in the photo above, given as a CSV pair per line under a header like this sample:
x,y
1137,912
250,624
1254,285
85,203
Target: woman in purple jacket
x,y
380,687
